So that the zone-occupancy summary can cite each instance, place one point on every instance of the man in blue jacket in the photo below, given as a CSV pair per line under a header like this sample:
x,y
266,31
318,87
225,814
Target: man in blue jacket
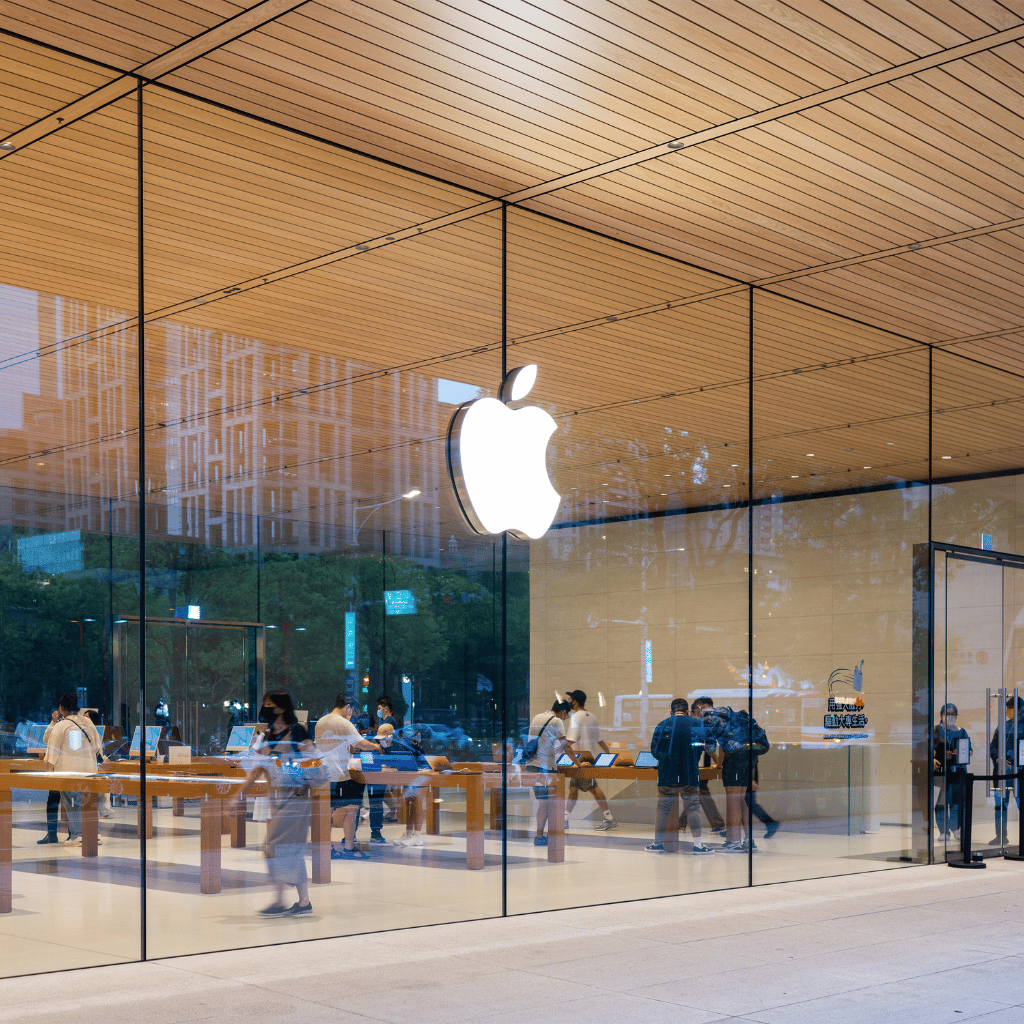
x,y
677,743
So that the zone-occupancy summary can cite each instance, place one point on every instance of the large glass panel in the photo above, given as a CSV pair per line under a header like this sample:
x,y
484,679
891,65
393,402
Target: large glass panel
x,y
979,622
840,472
69,849
304,538
638,594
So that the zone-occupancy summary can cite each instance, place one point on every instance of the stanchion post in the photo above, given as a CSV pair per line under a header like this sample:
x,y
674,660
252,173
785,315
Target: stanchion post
x,y
1019,855
967,803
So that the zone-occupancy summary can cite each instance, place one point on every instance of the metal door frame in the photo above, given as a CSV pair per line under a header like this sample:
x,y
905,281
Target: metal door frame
x,y
923,711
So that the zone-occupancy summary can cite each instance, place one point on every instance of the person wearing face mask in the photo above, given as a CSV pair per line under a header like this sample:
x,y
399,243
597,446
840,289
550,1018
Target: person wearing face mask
x,y
385,716
948,774
286,740
386,713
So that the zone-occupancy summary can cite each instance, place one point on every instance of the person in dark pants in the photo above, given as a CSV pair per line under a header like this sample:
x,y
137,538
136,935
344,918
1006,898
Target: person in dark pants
x,y
52,798
677,743
716,823
1005,791
948,774
771,826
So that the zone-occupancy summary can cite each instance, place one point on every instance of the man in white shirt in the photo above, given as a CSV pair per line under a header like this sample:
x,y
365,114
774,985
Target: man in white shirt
x,y
336,737
584,734
72,746
547,729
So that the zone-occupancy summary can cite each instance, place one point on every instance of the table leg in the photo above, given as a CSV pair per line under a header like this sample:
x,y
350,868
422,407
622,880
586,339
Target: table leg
x,y
556,818
225,821
497,810
475,822
432,812
6,893
210,815
90,824
178,807
234,811
320,832
146,813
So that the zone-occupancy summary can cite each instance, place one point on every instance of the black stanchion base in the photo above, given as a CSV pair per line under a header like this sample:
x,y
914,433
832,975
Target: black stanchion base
x,y
1012,856
966,864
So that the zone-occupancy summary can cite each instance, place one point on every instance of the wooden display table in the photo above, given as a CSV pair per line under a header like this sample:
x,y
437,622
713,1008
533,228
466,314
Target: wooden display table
x,y
213,790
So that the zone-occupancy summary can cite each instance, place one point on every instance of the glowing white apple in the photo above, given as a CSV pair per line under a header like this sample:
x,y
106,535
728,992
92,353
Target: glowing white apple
x,y
496,459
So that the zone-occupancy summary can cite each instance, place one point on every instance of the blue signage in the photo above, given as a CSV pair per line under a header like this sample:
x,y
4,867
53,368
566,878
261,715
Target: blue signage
x,y
399,602
350,639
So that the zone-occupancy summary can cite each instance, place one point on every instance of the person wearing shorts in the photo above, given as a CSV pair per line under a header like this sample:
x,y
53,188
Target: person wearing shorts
x,y
336,738
583,733
547,729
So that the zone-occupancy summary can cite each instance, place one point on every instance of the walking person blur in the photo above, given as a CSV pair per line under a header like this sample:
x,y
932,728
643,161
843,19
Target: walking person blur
x,y
740,741
73,746
286,740
677,744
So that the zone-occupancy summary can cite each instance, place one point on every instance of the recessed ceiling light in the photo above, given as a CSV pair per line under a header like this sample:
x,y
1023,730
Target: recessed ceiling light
x,y
810,455
735,465
727,485
666,474
890,442
795,476
680,549
947,456
664,494
7,146
867,467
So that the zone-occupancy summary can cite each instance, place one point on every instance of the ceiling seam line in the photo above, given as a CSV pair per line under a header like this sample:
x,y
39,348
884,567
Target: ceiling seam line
x,y
757,119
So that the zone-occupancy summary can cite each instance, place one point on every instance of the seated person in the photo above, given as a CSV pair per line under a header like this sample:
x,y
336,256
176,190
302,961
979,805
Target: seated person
x,y
414,794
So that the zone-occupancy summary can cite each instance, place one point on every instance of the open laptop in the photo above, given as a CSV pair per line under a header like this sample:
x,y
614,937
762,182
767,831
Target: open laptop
x,y
373,762
239,739
645,759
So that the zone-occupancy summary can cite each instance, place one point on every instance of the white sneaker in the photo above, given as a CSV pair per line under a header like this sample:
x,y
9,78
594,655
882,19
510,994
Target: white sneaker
x,y
414,840
73,841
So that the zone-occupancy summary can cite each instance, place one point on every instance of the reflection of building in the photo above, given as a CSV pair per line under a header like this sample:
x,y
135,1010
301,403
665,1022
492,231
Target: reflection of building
x,y
243,434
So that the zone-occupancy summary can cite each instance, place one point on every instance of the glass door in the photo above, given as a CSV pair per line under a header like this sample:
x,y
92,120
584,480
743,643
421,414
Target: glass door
x,y
979,636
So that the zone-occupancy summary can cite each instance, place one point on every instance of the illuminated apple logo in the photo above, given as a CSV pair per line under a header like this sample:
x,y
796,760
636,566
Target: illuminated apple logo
x,y
496,459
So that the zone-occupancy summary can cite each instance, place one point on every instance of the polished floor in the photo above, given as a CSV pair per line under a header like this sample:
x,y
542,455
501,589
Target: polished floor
x,y
70,912
929,945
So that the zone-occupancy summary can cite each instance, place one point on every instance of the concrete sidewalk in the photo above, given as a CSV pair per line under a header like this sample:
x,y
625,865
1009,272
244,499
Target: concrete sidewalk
x,y
925,945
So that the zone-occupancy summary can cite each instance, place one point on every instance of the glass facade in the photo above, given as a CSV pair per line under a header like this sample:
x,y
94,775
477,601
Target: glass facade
x,y
251,496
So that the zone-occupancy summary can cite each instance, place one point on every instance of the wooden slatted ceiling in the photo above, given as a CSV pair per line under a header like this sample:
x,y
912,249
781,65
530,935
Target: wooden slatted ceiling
x,y
228,199
539,91
124,35
859,175
70,212
35,81
1005,353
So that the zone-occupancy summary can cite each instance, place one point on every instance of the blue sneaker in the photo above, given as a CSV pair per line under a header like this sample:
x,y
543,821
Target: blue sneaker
x,y
771,829
540,841
655,848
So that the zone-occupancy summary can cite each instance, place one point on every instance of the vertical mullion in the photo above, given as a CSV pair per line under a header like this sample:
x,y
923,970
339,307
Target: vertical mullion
x,y
504,588
750,572
141,356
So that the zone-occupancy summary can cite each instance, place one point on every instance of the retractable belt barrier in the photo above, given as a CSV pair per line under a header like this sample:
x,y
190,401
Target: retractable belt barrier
x,y
967,810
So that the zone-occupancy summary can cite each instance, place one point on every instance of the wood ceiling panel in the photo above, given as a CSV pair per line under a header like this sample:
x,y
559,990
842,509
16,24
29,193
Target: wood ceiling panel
x,y
1005,352
228,199
35,81
123,36
70,211
560,276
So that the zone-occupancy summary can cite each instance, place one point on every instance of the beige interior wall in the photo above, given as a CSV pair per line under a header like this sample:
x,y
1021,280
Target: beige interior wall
x,y
832,587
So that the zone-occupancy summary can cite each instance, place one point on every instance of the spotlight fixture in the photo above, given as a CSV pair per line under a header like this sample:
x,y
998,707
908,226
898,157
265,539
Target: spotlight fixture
x,y
8,146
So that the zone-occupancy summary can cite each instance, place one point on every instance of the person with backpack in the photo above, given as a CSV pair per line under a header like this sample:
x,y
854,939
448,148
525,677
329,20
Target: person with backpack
x,y
677,743
545,741
741,741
